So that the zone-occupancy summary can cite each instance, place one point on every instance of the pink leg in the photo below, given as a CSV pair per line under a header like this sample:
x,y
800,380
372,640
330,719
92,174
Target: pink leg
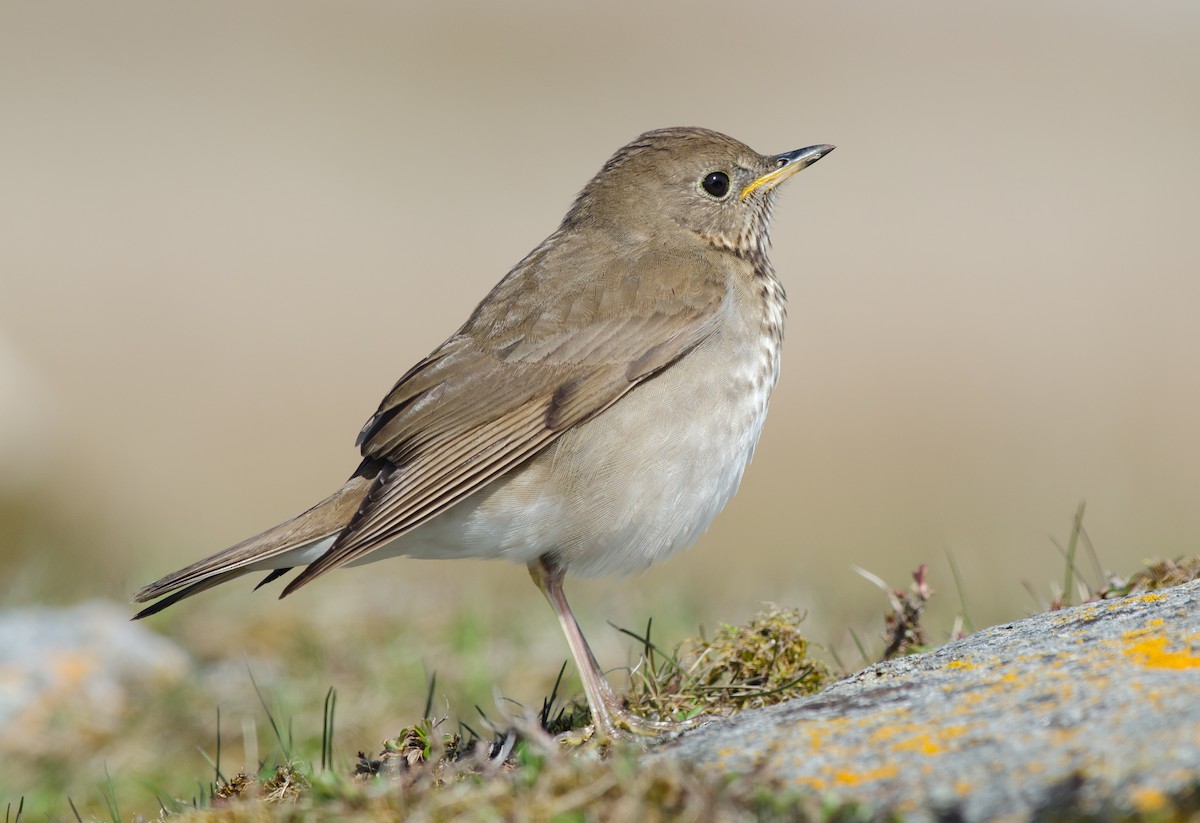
x,y
611,718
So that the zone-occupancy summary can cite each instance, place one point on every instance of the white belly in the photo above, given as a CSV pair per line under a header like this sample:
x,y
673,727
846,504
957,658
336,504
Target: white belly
x,y
629,487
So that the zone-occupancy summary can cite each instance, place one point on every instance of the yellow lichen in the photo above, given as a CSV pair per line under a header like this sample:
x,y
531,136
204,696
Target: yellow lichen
x,y
1152,653
815,783
922,743
845,777
72,668
885,733
1147,800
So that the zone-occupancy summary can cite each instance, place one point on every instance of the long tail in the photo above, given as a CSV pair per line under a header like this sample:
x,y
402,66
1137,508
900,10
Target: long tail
x,y
278,548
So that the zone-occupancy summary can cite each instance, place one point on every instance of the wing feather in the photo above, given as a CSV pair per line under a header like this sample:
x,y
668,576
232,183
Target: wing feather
x,y
533,361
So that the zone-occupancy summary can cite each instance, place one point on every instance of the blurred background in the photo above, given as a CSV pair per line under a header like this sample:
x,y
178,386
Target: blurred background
x,y
227,228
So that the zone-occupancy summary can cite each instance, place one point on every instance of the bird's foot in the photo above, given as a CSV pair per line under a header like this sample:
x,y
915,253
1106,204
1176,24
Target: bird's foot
x,y
614,723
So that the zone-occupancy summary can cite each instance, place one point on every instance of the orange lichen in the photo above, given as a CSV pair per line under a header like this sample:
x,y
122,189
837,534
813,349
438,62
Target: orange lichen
x,y
913,738
968,701
72,668
1152,652
814,783
922,743
886,733
845,777
1147,800
1086,614
951,732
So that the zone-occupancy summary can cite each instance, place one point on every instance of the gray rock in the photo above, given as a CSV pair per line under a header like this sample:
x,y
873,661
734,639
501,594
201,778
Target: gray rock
x,y
74,669
1089,707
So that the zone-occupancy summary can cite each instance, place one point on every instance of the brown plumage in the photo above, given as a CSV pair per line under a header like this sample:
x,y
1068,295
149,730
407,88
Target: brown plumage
x,y
594,412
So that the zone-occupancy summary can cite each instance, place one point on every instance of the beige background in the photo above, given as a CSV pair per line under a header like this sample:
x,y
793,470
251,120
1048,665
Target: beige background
x,y
226,228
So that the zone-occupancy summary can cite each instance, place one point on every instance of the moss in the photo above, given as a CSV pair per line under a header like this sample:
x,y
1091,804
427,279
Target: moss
x,y
529,773
239,786
537,784
288,783
742,667
1160,574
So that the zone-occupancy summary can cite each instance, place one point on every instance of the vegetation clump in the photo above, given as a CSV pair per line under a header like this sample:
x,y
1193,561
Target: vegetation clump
x,y
742,667
1161,574
529,771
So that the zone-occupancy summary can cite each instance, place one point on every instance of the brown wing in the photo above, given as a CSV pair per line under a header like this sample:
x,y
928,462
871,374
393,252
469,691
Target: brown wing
x,y
536,358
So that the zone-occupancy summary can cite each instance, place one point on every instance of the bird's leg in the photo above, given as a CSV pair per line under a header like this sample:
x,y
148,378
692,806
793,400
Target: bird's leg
x,y
612,720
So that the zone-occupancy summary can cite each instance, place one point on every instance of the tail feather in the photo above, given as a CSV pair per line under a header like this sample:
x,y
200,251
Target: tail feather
x,y
273,549
195,588
274,575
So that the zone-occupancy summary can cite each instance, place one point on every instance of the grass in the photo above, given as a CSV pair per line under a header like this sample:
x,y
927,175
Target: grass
x,y
278,667
761,662
262,709
260,697
530,781
522,770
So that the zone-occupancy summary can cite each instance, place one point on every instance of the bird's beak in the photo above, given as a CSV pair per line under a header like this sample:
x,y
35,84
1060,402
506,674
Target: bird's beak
x,y
786,165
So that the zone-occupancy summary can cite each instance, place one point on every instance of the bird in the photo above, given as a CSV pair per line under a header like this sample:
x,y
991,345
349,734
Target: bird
x,y
592,415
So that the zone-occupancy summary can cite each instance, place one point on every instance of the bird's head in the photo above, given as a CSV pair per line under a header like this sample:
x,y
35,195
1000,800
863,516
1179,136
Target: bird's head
x,y
699,180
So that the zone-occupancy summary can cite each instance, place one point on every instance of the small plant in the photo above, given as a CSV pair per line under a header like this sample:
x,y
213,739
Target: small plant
x,y
288,783
1158,574
528,764
742,667
903,632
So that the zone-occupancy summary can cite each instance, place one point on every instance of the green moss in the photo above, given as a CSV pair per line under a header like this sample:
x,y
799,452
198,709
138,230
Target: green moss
x,y
553,785
742,667
1160,574
528,773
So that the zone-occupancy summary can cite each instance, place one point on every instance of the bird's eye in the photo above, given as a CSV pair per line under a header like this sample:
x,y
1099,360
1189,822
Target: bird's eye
x,y
716,184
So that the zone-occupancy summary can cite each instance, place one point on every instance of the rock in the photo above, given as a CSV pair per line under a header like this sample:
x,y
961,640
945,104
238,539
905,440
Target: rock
x,y
73,669
1095,707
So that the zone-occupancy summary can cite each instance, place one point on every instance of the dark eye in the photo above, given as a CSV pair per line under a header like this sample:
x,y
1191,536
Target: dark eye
x,y
716,184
